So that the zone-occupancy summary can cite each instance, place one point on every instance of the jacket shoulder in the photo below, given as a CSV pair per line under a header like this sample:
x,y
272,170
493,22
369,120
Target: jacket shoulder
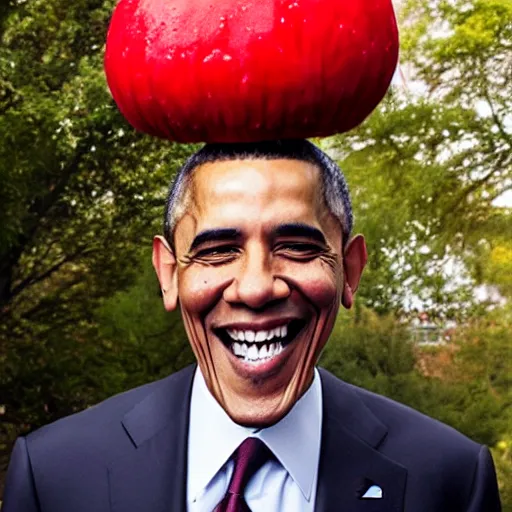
x,y
444,467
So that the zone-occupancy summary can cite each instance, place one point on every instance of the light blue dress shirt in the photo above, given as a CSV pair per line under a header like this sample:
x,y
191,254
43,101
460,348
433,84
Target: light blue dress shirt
x,y
288,483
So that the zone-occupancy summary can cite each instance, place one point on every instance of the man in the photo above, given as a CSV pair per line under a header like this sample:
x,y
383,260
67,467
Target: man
x,y
258,255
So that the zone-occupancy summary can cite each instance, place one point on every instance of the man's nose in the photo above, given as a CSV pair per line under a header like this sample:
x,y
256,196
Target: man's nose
x,y
255,284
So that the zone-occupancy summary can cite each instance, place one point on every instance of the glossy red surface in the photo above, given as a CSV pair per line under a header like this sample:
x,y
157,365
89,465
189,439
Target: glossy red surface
x,y
249,70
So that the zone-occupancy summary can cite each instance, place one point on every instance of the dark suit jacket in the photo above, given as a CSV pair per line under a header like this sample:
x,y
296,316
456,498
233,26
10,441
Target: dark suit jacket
x,y
129,454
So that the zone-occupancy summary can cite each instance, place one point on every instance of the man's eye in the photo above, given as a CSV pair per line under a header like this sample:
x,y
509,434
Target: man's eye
x,y
217,252
300,248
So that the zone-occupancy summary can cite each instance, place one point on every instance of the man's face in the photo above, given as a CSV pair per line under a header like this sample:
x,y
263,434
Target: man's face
x,y
258,272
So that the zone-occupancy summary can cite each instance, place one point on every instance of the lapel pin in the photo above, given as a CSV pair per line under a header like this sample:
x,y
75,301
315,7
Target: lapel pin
x,y
373,492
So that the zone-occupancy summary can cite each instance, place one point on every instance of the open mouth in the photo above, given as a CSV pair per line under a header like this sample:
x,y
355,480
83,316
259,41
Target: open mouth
x,y
257,347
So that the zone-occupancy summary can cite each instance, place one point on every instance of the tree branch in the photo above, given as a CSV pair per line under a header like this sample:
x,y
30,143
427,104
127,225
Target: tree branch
x,y
455,205
43,257
42,304
36,213
5,9
498,194
30,281
496,118
41,206
9,99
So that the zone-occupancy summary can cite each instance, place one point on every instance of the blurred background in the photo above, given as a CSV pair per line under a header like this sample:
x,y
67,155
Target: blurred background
x,y
82,194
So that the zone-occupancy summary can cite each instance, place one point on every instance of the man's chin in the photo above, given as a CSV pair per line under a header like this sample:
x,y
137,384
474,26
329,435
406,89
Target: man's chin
x,y
258,415
265,403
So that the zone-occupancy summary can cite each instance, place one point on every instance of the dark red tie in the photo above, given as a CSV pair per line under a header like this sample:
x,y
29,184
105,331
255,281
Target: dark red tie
x,y
249,457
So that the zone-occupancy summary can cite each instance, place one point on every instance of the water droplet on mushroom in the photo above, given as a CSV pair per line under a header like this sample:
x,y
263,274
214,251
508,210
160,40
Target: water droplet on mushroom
x,y
212,55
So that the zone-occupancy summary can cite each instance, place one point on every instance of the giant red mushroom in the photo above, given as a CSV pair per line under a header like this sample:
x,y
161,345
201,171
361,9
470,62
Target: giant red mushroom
x,y
249,70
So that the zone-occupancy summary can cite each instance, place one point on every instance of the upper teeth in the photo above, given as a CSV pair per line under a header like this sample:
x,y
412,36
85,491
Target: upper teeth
x,y
252,353
258,336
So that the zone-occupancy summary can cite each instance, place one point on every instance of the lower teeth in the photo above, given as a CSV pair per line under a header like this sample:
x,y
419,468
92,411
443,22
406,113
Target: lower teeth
x,y
252,354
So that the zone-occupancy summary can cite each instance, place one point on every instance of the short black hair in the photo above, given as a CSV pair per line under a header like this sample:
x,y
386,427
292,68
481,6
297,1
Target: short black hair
x,y
335,189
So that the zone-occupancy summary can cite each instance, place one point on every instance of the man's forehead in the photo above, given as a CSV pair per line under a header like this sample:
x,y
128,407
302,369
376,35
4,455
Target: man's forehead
x,y
257,196
256,179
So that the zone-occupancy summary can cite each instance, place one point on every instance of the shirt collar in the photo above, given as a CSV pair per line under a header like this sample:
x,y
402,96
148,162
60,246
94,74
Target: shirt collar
x,y
213,437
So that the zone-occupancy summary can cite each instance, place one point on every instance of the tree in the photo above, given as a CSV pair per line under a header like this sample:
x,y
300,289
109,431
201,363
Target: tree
x,y
79,183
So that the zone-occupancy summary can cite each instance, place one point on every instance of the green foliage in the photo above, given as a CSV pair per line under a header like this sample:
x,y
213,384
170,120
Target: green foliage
x,y
502,455
146,341
377,354
363,351
495,265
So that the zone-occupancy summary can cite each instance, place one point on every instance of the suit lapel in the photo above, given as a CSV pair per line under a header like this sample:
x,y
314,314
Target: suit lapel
x,y
152,475
349,458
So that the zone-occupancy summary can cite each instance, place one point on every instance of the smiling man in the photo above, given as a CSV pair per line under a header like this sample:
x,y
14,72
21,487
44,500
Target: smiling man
x,y
258,254
260,265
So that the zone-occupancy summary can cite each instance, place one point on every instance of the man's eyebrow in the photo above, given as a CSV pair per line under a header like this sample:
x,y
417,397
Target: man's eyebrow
x,y
299,229
214,235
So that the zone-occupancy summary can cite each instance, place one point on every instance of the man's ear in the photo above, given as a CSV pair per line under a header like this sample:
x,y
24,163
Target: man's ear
x,y
166,269
354,261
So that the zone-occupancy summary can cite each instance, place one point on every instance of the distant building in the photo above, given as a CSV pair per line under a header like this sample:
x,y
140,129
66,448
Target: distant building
x,y
426,332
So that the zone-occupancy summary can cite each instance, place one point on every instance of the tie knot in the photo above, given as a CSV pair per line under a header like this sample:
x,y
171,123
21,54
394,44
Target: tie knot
x,y
249,457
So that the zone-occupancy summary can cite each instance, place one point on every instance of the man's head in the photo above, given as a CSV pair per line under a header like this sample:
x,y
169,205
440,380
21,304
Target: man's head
x,y
333,185
257,254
